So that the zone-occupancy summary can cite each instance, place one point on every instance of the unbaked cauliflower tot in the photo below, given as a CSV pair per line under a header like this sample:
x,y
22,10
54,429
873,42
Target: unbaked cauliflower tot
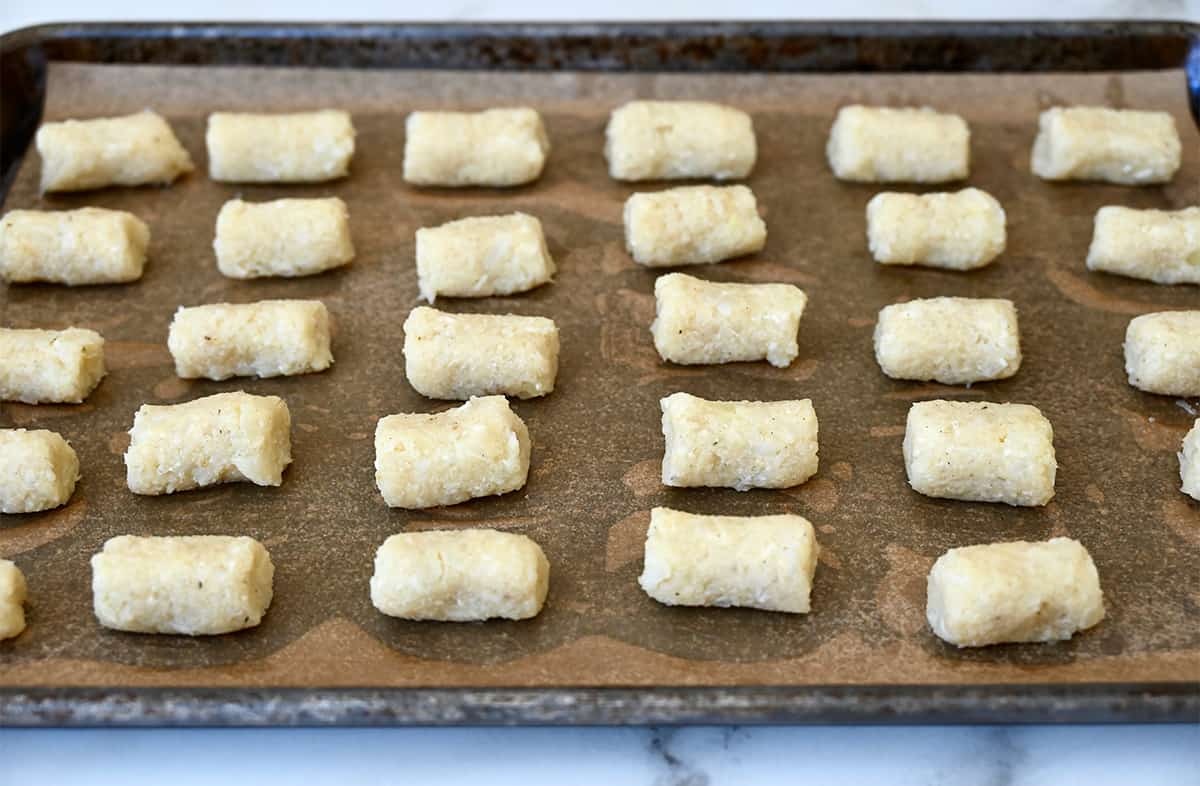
x,y
38,470
299,147
478,449
1013,592
980,452
90,245
50,366
460,576
495,147
671,140
1121,146
1162,353
194,585
759,562
286,237
701,322
1162,246
270,338
457,356
952,340
905,145
1189,462
224,438
132,150
693,225
960,231
13,592
482,256
738,444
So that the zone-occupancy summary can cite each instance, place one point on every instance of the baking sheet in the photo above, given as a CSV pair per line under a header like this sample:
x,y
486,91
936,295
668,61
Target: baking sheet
x,y
597,441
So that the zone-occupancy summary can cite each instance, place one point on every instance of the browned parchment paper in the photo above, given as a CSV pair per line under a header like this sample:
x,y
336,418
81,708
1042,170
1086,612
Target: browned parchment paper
x,y
597,442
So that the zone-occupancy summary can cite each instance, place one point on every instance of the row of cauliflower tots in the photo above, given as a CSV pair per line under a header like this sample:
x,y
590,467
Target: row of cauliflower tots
x,y
973,451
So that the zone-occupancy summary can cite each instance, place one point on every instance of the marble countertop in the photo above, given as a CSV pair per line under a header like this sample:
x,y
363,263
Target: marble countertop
x,y
705,756
19,13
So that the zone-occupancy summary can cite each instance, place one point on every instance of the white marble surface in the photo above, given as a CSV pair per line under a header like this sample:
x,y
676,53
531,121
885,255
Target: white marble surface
x,y
863,756
716,756
18,13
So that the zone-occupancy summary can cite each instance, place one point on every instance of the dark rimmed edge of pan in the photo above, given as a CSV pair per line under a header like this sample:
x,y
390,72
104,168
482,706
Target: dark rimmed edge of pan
x,y
882,704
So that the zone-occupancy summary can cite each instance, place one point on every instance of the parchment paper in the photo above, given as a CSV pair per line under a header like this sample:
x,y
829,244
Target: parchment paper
x,y
597,439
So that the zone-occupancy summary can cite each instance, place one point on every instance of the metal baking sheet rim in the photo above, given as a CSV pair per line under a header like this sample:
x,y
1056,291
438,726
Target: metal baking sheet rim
x,y
883,704
23,55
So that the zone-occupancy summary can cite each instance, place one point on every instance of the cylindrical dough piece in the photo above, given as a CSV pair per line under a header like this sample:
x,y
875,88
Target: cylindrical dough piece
x,y
693,225
1013,592
738,444
133,150
906,145
963,230
478,449
86,246
486,255
1189,462
12,600
50,366
496,147
760,562
270,338
38,470
700,321
952,340
1162,353
458,356
460,576
670,140
195,585
302,147
222,438
980,451
1162,246
286,237
1113,145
